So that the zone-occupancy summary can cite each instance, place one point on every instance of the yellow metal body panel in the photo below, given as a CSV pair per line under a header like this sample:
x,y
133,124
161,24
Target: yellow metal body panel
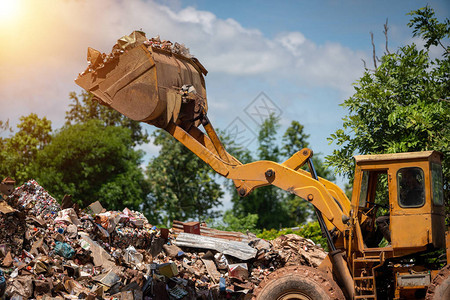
x,y
410,227
447,245
410,231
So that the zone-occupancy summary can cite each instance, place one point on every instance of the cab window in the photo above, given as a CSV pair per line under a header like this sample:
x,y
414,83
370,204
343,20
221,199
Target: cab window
x,y
437,184
374,189
411,187
364,189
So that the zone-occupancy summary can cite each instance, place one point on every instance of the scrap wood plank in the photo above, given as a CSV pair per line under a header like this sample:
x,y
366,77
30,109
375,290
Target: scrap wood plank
x,y
212,270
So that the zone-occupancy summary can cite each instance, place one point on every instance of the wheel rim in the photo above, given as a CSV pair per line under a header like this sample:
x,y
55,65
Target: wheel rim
x,y
294,294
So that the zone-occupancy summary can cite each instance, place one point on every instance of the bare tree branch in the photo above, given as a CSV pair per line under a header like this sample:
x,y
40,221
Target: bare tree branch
x,y
365,66
364,62
386,28
374,55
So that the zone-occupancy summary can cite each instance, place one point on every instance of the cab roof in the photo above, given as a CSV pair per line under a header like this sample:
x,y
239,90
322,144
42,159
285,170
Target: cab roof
x,y
394,157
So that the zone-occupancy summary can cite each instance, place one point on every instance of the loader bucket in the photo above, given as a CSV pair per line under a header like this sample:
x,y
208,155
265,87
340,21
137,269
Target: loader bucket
x,y
143,82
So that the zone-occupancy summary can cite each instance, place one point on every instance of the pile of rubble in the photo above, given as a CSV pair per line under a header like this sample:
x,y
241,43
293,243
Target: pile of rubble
x,y
53,251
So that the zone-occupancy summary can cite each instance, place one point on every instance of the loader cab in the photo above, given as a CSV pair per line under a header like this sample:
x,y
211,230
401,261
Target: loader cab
x,y
399,201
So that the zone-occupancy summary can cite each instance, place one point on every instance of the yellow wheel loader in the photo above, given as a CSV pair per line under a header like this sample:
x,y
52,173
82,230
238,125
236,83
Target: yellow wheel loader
x,y
378,240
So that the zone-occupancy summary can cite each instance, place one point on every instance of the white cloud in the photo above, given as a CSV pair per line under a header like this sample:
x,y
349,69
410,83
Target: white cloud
x,y
434,51
45,50
191,16
294,42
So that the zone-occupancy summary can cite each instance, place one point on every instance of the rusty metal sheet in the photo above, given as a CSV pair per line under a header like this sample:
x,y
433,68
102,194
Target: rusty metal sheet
x,y
234,248
207,231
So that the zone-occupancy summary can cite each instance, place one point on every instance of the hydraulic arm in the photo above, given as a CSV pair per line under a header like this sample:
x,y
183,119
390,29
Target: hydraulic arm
x,y
324,195
167,90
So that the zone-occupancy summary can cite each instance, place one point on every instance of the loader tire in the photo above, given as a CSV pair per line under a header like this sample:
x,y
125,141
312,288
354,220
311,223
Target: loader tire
x,y
440,286
298,282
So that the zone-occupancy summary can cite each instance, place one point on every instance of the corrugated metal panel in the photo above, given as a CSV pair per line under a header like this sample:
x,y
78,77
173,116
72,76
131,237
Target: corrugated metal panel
x,y
206,231
234,248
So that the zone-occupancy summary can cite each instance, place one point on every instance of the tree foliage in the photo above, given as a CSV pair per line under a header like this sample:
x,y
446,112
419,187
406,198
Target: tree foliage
x,y
266,202
18,151
427,26
274,207
268,148
295,139
84,108
309,230
403,105
243,224
93,162
92,157
183,187
269,205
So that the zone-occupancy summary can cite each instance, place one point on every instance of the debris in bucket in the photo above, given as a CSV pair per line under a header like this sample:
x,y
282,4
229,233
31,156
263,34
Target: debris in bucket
x,y
49,252
97,60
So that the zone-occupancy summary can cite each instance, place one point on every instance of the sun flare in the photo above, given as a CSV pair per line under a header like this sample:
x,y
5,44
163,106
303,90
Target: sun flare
x,y
9,9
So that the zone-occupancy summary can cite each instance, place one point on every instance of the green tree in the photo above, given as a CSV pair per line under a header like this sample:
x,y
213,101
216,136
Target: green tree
x,y
275,208
270,205
182,186
243,224
92,162
427,26
85,108
295,139
403,105
237,219
19,151
267,202
310,230
267,139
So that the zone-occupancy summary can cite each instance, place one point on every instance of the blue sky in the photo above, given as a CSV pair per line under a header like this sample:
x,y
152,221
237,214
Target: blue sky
x,y
303,55
346,22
